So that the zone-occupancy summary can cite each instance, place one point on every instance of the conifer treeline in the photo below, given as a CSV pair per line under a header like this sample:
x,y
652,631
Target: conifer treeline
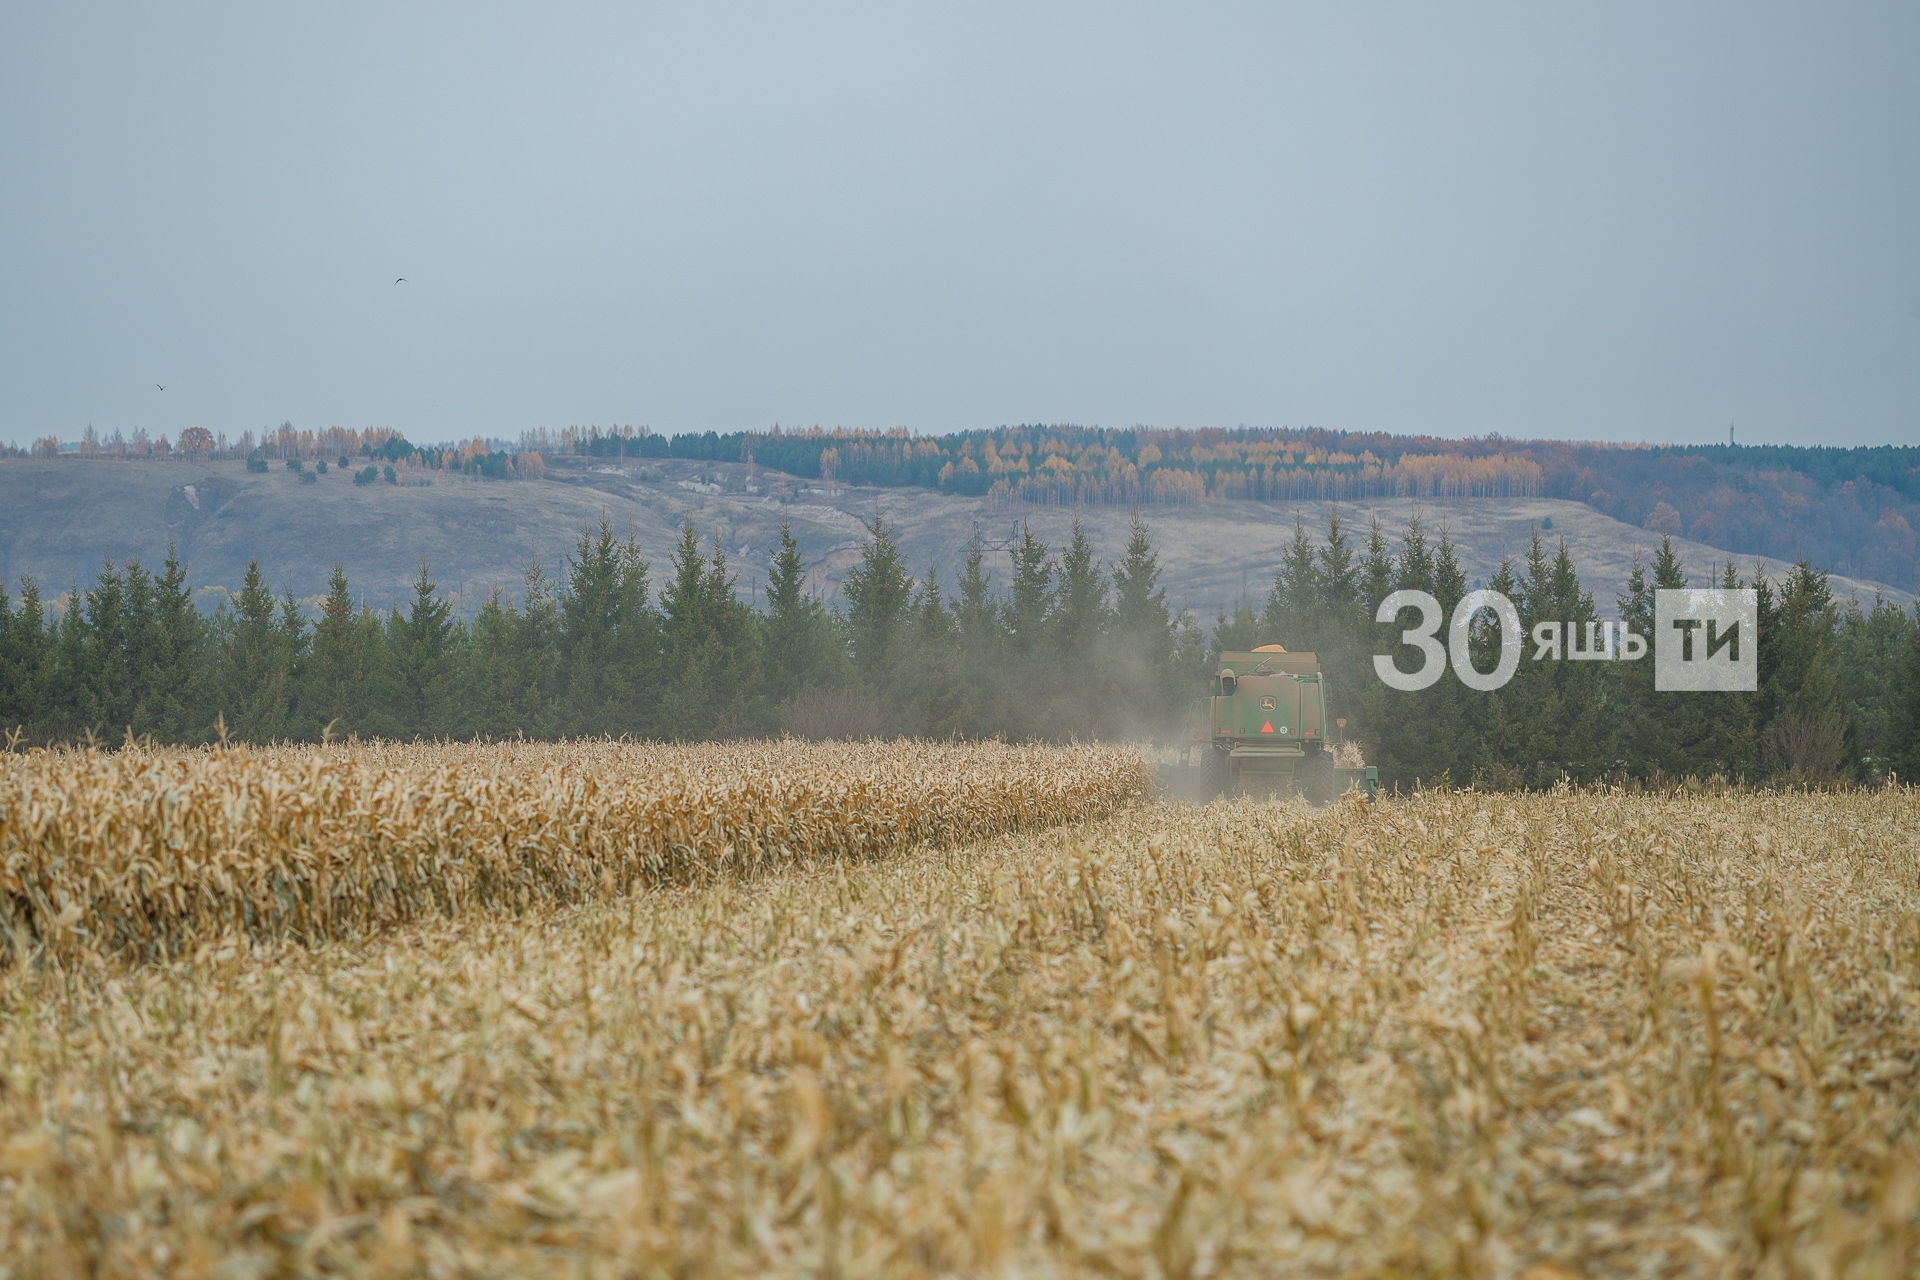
x,y
615,646
1839,693
1051,643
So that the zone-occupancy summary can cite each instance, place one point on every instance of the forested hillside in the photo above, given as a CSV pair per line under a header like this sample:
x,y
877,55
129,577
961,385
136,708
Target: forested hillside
x,y
1854,511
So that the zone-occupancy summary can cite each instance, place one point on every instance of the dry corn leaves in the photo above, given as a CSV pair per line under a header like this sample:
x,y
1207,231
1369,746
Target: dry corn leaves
x,y
1573,1034
149,853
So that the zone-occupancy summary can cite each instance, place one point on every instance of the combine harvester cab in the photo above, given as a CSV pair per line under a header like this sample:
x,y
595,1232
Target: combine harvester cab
x,y
1263,730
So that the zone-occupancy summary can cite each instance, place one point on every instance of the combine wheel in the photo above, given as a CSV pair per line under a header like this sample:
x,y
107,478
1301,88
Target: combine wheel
x,y
1216,773
1322,783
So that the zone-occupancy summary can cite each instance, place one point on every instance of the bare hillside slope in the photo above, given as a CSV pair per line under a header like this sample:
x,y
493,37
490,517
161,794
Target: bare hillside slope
x,y
61,519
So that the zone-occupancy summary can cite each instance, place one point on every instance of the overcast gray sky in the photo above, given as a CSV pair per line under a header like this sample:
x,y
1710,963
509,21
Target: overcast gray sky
x,y
1613,221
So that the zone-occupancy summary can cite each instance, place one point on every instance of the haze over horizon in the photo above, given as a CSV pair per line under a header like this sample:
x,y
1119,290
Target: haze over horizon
x,y
1635,223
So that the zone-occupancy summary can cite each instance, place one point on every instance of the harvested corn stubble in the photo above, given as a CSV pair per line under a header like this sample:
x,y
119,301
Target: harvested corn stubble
x,y
1579,1034
149,853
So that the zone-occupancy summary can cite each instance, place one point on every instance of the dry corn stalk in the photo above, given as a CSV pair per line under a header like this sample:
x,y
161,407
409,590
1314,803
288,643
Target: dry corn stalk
x,y
147,853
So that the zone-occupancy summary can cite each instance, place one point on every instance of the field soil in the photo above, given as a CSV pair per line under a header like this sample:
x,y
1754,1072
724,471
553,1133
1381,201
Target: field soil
x,y
61,519
1565,1034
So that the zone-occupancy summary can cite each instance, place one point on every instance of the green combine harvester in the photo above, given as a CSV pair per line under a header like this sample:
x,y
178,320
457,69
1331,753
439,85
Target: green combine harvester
x,y
1263,730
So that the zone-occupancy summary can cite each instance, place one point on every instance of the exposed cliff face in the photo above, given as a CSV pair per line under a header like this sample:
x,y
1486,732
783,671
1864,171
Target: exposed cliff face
x,y
61,519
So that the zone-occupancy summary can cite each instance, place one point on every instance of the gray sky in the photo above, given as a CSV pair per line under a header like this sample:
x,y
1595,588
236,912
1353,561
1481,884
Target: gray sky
x,y
1600,220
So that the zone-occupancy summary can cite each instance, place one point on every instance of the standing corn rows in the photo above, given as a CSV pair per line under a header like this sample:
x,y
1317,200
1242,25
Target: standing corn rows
x,y
149,852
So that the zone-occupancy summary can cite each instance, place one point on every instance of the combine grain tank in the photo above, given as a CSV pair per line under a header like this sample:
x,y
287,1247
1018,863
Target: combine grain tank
x,y
1263,730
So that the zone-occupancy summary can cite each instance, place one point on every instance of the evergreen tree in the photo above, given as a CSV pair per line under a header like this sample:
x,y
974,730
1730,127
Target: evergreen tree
x,y
980,628
1030,598
1725,726
683,620
174,706
932,620
1664,733
1643,736
975,615
607,637
1804,731
421,648
1413,567
1240,629
1456,708
1869,658
1534,705
799,636
377,709
1681,729
1497,738
1407,739
1193,659
10,675
536,681
937,707
296,653
1140,639
254,691
1340,586
708,688
157,675
26,664
1668,573
106,674
1365,703
879,596
1376,576
70,711
1583,728
739,708
1341,621
1294,615
1080,606
1636,606
1078,692
490,684
1905,735
1449,580
140,644
338,674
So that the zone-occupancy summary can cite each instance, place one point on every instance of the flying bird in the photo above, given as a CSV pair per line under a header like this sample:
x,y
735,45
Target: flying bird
x,y
158,385
400,280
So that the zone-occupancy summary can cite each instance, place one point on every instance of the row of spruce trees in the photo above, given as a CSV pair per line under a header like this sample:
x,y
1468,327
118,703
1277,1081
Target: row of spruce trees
x,y
1062,646
1838,696
1071,648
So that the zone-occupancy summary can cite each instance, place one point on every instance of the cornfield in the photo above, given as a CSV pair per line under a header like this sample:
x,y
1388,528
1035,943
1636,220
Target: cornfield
x,y
1573,1034
150,852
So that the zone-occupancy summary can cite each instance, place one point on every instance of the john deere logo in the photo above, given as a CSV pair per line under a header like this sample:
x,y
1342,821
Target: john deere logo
x,y
1268,704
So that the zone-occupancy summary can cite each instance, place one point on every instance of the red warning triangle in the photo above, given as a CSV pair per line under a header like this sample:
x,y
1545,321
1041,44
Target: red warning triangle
x,y
1267,727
